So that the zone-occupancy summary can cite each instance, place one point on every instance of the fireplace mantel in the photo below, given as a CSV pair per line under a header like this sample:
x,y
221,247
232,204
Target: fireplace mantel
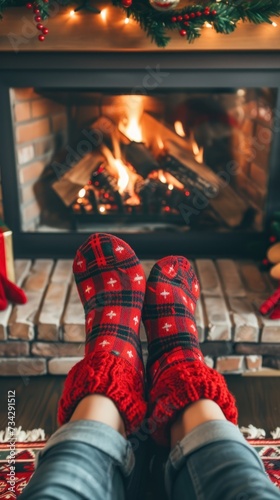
x,y
92,34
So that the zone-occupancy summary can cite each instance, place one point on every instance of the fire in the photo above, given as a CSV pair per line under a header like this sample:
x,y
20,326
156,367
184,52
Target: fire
x,y
179,129
131,125
162,177
123,175
197,151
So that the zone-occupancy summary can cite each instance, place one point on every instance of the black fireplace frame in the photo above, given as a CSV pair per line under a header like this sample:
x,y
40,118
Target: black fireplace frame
x,y
99,70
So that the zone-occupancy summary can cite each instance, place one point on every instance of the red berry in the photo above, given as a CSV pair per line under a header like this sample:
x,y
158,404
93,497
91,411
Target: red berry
x,y
29,5
45,31
183,32
192,15
180,18
265,262
46,1
186,16
38,19
186,23
126,3
198,13
213,12
36,10
41,38
173,19
206,12
40,26
272,239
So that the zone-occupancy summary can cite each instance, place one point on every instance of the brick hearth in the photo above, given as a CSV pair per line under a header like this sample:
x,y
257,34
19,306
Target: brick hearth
x,y
47,334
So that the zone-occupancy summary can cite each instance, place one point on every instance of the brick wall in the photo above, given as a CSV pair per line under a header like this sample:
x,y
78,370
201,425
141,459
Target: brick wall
x,y
251,149
40,130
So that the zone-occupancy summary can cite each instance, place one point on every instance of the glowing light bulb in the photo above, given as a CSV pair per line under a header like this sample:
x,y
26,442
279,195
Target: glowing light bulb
x,y
126,21
72,13
274,24
170,187
82,192
208,25
102,209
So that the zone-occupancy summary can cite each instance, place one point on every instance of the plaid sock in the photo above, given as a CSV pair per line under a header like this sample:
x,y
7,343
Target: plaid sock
x,y
168,314
177,374
111,286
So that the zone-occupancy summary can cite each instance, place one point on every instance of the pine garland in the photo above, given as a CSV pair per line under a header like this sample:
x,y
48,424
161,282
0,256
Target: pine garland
x,y
222,15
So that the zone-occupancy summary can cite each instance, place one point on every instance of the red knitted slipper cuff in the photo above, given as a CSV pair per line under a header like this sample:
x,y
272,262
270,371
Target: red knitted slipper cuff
x,y
109,375
181,384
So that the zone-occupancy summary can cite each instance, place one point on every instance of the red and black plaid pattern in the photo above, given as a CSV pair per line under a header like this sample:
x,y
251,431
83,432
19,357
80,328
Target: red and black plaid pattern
x,y
168,314
111,284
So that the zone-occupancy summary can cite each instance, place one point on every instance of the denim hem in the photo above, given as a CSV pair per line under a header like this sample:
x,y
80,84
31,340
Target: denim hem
x,y
99,436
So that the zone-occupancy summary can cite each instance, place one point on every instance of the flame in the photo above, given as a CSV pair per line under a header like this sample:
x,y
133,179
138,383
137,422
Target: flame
x,y
162,177
197,151
160,142
179,129
123,175
131,125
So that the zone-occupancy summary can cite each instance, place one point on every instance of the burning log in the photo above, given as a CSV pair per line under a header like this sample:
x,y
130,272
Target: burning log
x,y
229,206
77,177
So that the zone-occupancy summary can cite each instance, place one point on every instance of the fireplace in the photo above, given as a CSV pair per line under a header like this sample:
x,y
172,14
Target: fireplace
x,y
166,154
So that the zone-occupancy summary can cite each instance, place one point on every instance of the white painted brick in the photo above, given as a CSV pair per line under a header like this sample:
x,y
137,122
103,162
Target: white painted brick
x,y
246,325
25,154
57,349
218,321
61,366
22,367
230,278
230,364
51,312
74,318
62,272
253,363
208,277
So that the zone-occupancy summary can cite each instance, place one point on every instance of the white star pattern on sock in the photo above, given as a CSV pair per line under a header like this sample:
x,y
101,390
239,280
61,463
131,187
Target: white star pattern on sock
x,y
88,289
111,314
119,249
196,287
166,327
165,294
105,342
130,354
171,270
138,278
111,282
136,320
192,306
89,321
193,328
80,263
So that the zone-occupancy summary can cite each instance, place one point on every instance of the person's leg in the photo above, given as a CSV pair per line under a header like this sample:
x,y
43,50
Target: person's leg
x,y
211,460
190,403
103,396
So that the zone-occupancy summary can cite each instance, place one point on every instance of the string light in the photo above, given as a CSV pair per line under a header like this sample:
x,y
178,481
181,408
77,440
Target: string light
x,y
208,25
72,13
274,24
126,21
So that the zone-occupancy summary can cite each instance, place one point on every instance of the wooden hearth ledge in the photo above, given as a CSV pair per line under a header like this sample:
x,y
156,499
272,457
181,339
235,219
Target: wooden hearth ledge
x,y
46,335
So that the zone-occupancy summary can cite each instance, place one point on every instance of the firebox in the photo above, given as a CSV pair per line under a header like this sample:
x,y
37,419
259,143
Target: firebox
x,y
173,156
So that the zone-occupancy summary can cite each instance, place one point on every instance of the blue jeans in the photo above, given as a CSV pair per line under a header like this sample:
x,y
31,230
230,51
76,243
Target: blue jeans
x,y
86,460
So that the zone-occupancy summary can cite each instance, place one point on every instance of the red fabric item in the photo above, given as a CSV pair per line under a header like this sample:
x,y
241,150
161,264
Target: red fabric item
x,y
177,373
275,313
9,292
111,284
269,304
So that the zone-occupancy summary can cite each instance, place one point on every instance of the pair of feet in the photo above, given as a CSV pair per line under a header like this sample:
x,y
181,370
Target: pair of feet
x,y
115,295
